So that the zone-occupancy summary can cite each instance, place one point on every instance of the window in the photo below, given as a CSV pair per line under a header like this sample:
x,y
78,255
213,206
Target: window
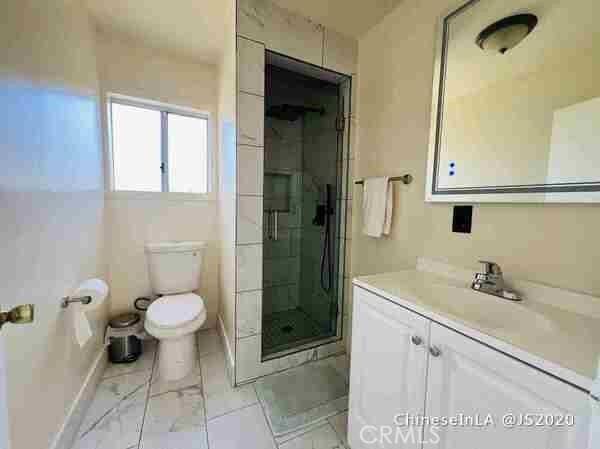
x,y
158,149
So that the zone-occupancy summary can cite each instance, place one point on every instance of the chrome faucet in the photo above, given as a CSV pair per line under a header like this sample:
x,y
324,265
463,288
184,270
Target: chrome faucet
x,y
491,281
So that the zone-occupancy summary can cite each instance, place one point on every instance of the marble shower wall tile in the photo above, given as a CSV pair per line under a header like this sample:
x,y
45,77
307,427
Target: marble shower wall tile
x,y
249,219
250,124
248,313
249,267
281,30
251,67
290,34
249,170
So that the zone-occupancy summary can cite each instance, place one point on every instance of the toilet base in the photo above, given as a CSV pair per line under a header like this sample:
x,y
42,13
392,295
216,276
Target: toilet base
x,y
176,357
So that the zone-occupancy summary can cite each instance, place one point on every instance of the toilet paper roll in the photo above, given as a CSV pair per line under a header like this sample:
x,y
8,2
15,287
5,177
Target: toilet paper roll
x,y
98,291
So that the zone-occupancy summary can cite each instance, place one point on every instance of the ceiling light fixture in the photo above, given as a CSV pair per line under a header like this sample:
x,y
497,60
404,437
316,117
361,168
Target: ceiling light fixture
x,y
501,36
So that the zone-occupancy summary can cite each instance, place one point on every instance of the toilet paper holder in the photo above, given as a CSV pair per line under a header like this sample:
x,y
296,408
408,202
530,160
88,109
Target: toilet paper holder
x,y
64,303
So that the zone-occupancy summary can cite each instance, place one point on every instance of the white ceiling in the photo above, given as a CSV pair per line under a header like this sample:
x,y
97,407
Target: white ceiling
x,y
194,28
349,17
197,28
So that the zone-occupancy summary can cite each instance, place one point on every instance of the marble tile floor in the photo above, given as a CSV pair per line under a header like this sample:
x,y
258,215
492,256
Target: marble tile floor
x,y
133,409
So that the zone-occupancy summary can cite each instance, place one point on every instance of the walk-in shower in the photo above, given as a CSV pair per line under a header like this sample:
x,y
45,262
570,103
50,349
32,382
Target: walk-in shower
x,y
304,210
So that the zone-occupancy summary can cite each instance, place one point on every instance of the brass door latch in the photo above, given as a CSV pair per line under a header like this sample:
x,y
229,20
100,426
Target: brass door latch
x,y
22,314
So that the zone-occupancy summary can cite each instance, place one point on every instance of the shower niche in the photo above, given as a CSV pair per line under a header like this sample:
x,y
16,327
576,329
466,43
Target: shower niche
x,y
304,210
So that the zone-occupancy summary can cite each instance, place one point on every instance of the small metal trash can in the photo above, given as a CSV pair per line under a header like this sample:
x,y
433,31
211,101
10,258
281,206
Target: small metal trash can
x,y
123,336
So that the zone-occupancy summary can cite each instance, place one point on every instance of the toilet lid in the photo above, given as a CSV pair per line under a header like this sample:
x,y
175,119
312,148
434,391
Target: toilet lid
x,y
175,310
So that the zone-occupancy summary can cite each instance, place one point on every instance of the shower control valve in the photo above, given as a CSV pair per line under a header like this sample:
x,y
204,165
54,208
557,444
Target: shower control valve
x,y
416,340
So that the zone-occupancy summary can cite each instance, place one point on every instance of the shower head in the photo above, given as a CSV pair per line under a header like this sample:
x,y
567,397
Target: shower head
x,y
291,112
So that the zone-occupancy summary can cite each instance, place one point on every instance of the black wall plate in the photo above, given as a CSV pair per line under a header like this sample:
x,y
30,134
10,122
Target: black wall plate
x,y
462,218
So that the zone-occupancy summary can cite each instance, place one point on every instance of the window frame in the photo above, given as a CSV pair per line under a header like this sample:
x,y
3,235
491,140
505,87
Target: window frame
x,y
164,109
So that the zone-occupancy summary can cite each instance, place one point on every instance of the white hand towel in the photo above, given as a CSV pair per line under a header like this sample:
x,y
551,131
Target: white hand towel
x,y
378,203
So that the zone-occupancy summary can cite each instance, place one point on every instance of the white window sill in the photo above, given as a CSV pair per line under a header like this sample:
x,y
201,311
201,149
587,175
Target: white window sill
x,y
161,196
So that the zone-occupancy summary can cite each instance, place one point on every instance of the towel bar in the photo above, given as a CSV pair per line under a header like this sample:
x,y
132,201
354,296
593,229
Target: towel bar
x,y
406,179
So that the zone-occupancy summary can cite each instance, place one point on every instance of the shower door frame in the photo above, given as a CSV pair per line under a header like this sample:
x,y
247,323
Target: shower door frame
x,y
341,204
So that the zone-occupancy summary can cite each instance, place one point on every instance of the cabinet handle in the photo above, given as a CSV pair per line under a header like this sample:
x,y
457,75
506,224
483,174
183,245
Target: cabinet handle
x,y
416,340
435,351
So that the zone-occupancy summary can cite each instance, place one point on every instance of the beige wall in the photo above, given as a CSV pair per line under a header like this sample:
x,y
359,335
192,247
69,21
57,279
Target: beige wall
x,y
52,203
553,244
130,68
133,222
227,168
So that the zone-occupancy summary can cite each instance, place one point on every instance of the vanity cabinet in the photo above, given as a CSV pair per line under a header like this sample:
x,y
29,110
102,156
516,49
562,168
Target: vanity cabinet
x,y
389,367
450,375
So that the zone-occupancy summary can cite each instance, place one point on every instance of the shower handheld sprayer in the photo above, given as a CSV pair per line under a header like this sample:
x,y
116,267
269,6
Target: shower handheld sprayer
x,y
322,218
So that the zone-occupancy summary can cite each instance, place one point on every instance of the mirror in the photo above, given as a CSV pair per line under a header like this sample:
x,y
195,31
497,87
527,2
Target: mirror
x,y
516,103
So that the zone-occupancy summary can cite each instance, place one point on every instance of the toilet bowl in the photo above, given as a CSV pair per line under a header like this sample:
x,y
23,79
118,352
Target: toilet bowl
x,y
173,319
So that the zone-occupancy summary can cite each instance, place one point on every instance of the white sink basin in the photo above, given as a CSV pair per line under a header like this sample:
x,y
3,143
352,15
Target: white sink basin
x,y
489,311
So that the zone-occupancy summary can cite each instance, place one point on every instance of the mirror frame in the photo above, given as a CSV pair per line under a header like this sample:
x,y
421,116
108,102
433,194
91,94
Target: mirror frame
x,y
588,192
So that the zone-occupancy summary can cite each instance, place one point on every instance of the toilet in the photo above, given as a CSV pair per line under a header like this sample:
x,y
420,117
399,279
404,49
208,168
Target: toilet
x,y
173,318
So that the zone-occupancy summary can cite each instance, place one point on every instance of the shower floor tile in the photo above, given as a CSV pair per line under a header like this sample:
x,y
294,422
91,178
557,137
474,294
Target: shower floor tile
x,y
287,329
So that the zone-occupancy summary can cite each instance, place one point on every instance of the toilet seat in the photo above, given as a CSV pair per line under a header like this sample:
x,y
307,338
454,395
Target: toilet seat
x,y
175,311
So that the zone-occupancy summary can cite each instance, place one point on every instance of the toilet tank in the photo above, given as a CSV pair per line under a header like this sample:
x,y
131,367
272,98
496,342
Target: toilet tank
x,y
174,267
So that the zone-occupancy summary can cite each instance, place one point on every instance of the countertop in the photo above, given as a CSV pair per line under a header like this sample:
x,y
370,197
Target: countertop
x,y
562,341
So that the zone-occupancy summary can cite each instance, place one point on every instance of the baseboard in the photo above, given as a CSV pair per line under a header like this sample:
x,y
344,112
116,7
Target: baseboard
x,y
228,351
68,432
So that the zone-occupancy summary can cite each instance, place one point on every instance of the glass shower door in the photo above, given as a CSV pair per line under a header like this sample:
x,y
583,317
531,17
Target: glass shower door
x,y
303,212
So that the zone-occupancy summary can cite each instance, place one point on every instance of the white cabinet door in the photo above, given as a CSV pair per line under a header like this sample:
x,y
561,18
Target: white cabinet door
x,y
472,379
388,370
